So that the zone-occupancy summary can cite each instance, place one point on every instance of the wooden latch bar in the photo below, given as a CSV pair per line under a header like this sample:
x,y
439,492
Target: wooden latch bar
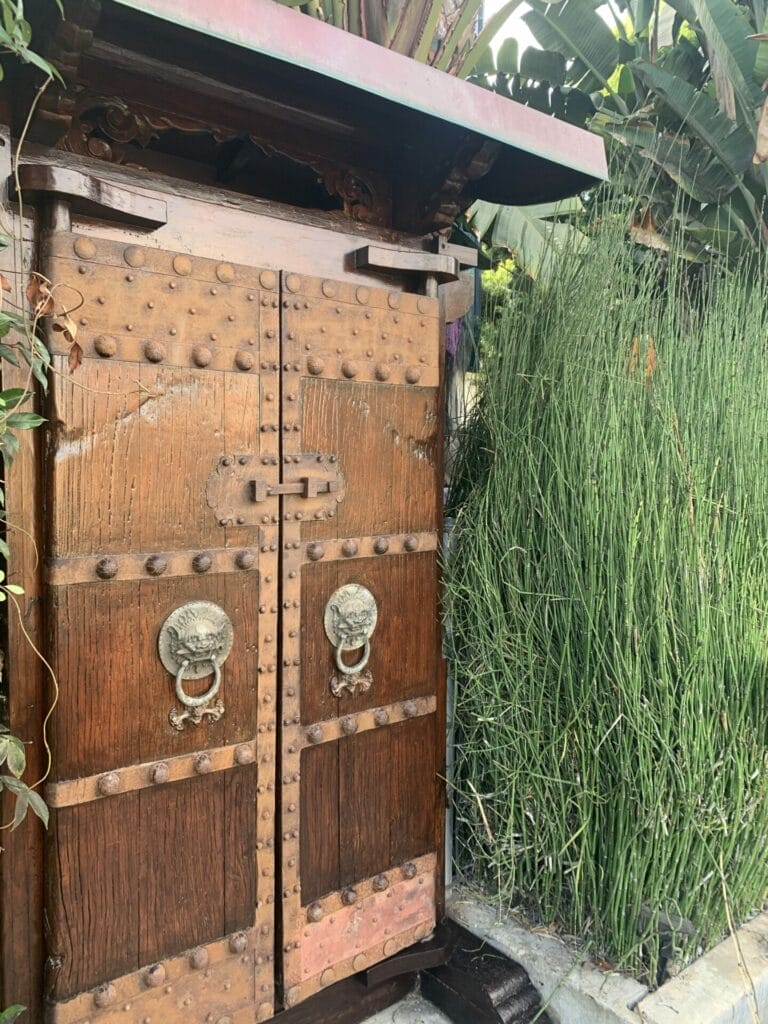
x,y
306,487
90,195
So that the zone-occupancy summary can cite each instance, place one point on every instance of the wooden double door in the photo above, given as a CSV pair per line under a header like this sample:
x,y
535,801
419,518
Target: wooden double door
x,y
242,521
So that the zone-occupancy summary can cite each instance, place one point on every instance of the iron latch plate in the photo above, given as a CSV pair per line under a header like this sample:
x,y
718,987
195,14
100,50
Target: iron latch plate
x,y
313,486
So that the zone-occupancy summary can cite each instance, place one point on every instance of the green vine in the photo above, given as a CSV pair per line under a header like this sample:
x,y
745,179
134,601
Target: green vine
x,y
22,348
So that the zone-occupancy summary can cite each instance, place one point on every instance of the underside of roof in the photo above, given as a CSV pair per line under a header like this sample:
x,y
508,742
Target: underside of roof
x,y
255,97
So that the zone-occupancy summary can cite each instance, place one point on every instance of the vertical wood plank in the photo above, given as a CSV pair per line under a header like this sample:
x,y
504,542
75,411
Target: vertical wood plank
x,y
241,886
414,782
364,805
319,850
181,891
386,438
93,915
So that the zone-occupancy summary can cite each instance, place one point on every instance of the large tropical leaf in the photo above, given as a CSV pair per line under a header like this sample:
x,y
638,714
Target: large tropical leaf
x,y
733,145
689,163
576,30
530,233
727,29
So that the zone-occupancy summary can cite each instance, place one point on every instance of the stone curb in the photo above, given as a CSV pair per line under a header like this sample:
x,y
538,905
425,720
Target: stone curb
x,y
712,990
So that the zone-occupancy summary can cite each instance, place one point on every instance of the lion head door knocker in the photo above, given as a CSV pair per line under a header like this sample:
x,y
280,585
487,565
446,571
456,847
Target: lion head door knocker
x,y
350,619
194,643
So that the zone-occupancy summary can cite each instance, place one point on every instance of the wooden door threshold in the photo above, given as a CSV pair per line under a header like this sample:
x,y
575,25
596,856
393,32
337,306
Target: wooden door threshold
x,y
349,1002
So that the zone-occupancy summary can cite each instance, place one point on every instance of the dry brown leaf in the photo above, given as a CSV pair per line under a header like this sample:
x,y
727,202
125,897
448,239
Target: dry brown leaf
x,y
634,357
75,356
650,361
66,326
761,145
39,296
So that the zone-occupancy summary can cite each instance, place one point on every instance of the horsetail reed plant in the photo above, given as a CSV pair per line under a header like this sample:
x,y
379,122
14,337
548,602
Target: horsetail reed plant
x,y
608,600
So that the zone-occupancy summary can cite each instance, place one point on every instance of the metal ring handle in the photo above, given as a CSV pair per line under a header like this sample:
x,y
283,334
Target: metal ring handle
x,y
197,702
352,670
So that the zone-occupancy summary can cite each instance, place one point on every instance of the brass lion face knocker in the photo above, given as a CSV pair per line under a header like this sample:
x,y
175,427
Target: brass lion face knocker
x,y
350,619
194,642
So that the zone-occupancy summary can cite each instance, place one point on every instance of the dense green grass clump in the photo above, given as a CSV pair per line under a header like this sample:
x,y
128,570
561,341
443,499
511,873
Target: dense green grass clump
x,y
608,601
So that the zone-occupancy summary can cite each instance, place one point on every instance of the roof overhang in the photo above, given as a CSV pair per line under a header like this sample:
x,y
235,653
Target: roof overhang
x,y
540,158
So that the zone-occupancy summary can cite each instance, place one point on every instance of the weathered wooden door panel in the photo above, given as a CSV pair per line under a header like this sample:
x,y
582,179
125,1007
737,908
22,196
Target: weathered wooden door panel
x,y
161,866
360,795
255,443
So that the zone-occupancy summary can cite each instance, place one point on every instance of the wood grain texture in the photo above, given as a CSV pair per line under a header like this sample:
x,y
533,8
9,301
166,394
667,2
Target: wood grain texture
x,y
320,832
93,908
181,891
386,439
404,647
115,692
364,805
413,787
145,875
125,476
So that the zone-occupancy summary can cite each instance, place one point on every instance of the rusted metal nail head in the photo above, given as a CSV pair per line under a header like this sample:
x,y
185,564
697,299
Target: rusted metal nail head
x,y
201,355
154,351
349,548
106,568
413,374
238,943
160,773
156,565
245,560
225,272
409,870
315,551
267,279
85,248
155,976
315,912
105,346
244,360
329,289
381,545
244,754
292,282
349,369
410,709
315,365
134,256
202,561
182,265
411,543
380,883
315,733
348,896
109,784
199,958
382,372
105,995
203,764
349,725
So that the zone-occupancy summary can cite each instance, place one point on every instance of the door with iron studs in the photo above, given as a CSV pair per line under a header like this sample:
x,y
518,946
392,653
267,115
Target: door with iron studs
x,y
243,481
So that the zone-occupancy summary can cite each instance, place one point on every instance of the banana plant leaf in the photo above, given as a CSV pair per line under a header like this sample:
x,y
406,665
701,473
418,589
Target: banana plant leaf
x,y
576,31
733,145
530,233
727,30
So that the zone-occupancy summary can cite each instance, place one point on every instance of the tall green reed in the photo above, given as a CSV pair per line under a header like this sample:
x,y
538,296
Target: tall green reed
x,y
608,600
